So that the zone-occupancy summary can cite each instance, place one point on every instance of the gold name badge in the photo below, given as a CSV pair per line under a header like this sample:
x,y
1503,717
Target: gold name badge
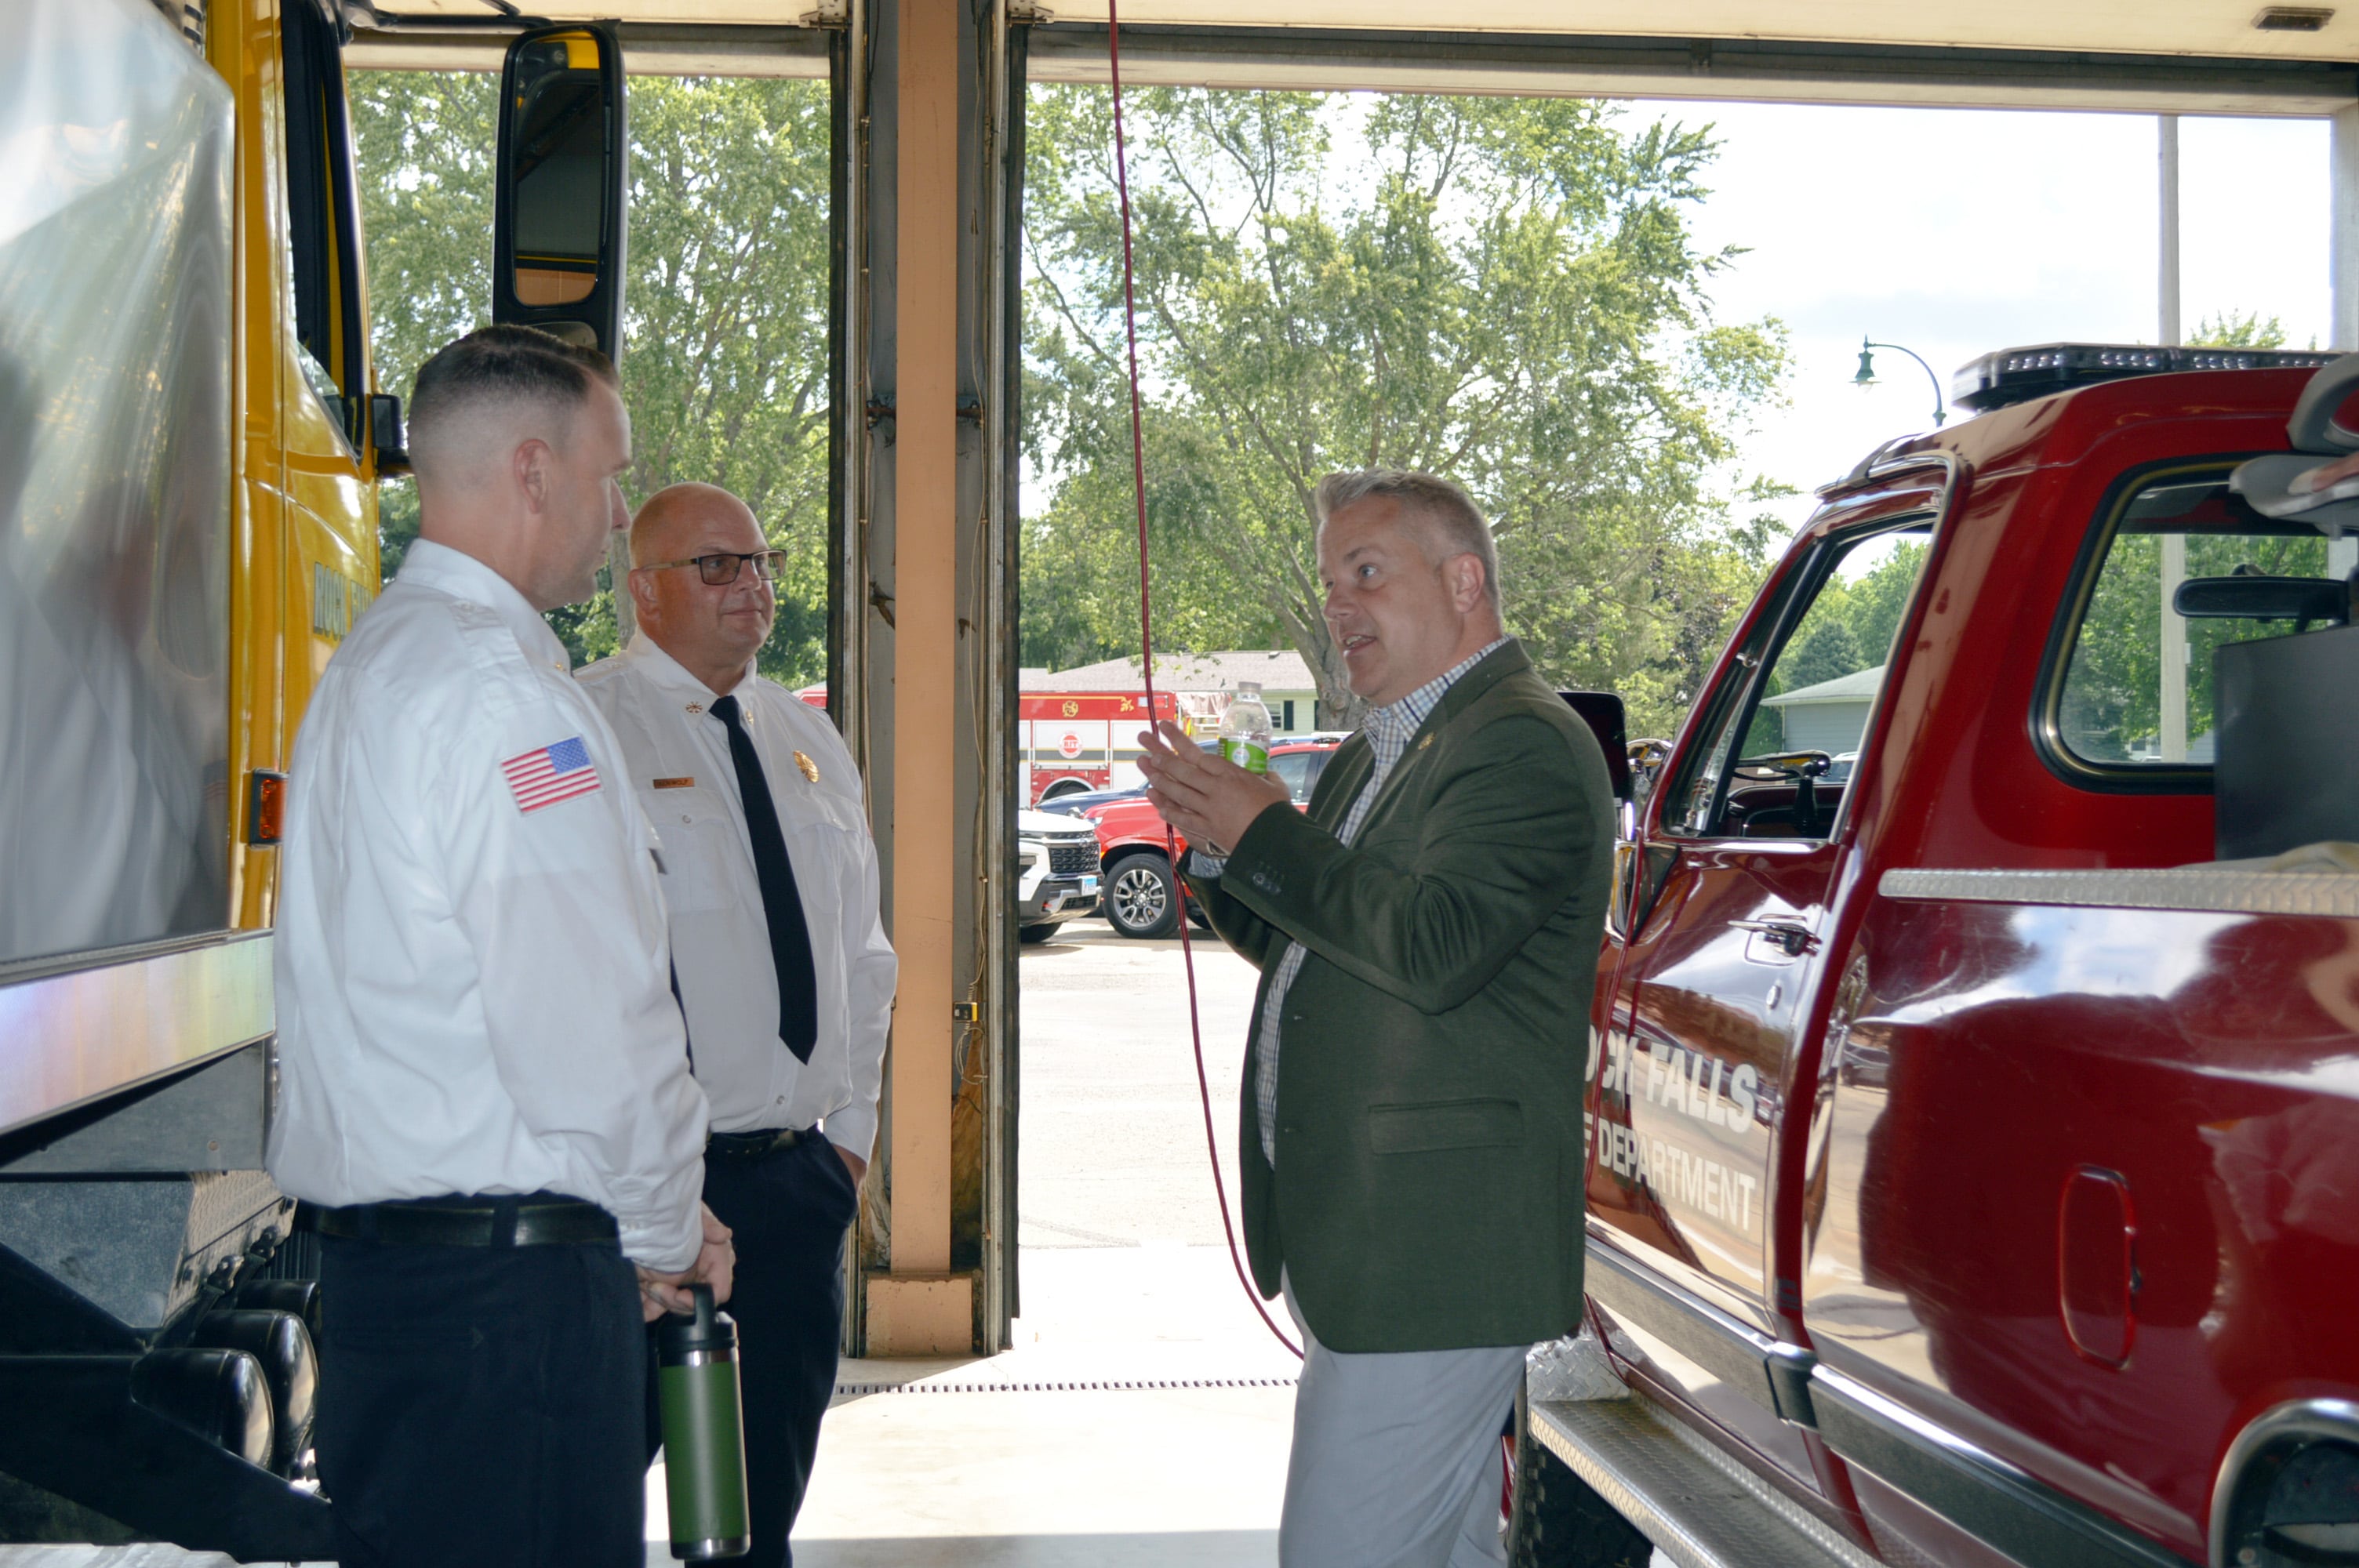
x,y
809,768
688,783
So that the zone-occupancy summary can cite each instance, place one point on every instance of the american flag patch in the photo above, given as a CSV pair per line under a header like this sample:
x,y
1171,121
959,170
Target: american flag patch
x,y
550,774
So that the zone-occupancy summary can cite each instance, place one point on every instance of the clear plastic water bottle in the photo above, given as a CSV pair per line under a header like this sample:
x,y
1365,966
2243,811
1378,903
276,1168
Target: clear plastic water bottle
x,y
1245,729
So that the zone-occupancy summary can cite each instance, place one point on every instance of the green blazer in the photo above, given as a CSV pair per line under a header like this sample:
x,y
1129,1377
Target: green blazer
x,y
1427,1189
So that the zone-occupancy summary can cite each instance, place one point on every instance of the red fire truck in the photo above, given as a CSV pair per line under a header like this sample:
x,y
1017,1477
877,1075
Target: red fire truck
x,y
1973,1165
1067,741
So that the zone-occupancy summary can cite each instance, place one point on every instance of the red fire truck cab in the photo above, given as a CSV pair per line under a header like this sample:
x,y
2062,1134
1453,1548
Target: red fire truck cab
x,y
1973,1156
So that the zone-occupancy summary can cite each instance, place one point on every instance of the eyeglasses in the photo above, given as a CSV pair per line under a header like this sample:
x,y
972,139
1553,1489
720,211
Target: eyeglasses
x,y
720,568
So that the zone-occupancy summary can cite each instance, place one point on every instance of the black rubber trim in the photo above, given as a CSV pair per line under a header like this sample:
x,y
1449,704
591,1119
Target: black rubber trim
x,y
1735,61
1772,1373
1981,1494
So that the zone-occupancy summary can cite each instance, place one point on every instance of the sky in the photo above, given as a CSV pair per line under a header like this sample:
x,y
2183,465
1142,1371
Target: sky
x,y
1958,231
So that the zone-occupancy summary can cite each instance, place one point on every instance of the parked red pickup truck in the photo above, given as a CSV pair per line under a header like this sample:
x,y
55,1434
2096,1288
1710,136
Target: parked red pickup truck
x,y
1973,1153
1141,896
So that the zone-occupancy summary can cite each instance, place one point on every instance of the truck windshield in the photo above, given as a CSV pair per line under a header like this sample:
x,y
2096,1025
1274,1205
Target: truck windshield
x,y
2135,693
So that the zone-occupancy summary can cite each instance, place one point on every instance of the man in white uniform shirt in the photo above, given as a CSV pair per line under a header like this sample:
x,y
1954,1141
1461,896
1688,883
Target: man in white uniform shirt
x,y
486,1098
782,965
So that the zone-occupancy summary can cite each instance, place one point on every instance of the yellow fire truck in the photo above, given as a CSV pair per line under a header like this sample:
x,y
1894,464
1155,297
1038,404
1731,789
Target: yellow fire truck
x,y
190,439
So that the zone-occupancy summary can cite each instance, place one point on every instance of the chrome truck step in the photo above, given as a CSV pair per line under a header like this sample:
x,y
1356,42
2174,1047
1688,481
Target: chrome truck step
x,y
1701,1507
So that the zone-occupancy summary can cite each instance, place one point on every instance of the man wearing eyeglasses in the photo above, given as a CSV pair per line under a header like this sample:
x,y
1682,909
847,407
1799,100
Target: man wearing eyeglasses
x,y
779,952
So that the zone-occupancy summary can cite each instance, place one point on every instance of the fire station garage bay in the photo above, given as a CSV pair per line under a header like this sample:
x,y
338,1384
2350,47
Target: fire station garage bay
x,y
1955,1183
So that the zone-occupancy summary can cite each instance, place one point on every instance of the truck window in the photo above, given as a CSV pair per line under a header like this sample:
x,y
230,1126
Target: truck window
x,y
1294,767
1806,711
323,216
2129,699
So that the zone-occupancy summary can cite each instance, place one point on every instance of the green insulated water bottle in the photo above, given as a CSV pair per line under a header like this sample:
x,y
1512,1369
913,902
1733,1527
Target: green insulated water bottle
x,y
703,1432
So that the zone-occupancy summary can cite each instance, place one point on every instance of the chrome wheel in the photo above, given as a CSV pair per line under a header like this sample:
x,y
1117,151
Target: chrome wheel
x,y
1139,898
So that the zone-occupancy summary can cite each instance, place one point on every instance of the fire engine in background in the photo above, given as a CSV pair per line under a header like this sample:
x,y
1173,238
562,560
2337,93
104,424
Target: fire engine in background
x,y
1067,743
190,438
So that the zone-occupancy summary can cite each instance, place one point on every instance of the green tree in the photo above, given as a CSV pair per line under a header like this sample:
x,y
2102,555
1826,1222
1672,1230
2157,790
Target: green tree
x,y
2113,690
1829,653
725,361
2236,330
422,143
1875,601
1502,290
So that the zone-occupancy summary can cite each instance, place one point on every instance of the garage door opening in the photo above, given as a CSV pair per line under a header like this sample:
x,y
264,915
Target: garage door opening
x,y
1634,330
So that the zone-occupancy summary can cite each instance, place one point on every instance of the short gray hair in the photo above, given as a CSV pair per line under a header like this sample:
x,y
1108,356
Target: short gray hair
x,y
1451,524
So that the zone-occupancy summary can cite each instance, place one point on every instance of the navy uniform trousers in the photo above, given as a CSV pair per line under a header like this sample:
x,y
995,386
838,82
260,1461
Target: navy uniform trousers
x,y
790,1209
480,1407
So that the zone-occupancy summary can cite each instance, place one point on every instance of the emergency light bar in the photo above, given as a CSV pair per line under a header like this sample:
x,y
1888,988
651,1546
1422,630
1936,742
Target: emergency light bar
x,y
2017,376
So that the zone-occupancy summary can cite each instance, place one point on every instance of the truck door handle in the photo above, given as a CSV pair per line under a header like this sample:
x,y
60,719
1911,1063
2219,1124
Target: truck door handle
x,y
1792,937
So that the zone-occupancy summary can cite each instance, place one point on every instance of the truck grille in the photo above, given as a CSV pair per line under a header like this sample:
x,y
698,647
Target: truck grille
x,y
1078,859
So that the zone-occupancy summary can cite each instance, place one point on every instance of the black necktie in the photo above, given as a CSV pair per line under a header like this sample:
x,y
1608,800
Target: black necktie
x,y
782,904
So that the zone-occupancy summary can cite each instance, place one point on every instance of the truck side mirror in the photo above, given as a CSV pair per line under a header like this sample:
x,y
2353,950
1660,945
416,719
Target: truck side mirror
x,y
1601,712
387,437
560,183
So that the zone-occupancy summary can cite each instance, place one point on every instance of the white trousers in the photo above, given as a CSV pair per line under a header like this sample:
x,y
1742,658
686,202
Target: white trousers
x,y
1397,1461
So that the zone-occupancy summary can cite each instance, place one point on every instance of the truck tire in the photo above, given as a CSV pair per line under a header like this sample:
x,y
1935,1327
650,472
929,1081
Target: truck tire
x,y
1142,897
1031,935
1556,1520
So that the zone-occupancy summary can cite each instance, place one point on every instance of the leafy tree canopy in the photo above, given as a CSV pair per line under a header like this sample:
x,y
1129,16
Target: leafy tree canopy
x,y
725,361
2236,330
1500,290
1829,653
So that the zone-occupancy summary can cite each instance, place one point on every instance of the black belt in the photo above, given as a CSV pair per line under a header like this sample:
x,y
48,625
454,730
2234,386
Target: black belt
x,y
753,1145
533,1220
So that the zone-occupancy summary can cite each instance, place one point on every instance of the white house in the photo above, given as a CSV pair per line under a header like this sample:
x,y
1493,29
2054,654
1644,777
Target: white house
x,y
1830,716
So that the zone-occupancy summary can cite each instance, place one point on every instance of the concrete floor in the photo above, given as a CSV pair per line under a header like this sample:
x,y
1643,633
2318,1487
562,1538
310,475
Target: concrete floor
x,y
1125,1281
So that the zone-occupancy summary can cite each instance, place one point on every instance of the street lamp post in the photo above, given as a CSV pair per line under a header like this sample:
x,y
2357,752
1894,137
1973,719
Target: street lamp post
x,y
1866,376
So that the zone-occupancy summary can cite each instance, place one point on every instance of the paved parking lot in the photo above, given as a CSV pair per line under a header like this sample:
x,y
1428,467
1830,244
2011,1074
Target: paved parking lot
x,y
1112,1140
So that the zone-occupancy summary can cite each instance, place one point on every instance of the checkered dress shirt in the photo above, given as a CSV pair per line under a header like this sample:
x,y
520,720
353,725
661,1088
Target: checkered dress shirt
x,y
1389,731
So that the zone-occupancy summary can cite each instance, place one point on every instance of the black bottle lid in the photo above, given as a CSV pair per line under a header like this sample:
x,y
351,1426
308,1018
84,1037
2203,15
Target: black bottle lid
x,y
679,1335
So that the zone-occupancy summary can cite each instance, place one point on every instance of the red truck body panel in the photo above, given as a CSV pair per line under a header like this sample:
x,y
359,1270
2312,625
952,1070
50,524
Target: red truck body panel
x,y
2077,1185
1124,826
2084,1196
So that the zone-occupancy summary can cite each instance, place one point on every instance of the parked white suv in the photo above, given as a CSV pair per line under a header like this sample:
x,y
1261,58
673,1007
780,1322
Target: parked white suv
x,y
1056,871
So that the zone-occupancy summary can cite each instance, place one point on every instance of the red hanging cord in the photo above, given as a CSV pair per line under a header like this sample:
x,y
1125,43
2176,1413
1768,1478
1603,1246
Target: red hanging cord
x,y
1146,651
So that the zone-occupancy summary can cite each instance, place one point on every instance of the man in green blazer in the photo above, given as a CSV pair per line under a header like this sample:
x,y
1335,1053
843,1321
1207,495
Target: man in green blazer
x,y
1427,936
